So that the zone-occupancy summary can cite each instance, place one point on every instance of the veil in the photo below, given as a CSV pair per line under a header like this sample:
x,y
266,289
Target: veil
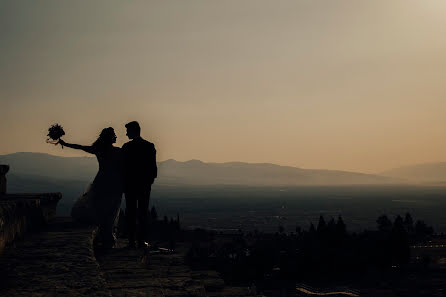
x,y
83,210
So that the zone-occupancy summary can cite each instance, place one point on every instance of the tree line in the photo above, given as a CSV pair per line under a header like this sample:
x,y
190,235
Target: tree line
x,y
325,251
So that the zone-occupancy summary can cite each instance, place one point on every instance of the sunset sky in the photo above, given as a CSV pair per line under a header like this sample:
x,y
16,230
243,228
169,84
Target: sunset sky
x,y
348,85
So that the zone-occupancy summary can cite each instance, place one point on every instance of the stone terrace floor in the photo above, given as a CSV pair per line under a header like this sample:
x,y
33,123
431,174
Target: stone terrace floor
x,y
165,275
60,261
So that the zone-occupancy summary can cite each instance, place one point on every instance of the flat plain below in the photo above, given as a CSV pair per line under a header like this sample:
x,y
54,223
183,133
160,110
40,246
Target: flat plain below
x,y
229,208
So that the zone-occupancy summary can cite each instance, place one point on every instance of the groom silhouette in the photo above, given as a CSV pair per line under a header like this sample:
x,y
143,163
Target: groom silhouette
x,y
140,172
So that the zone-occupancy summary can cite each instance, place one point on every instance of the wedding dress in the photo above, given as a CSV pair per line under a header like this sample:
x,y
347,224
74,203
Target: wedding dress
x,y
100,203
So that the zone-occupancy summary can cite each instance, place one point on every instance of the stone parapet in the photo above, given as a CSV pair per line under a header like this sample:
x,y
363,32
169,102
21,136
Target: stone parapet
x,y
47,201
21,213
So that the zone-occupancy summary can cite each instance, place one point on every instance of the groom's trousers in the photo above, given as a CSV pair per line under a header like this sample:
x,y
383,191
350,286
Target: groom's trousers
x,y
137,206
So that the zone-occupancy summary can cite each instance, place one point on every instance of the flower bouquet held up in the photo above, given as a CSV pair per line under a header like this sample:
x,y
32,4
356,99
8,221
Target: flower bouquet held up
x,y
55,132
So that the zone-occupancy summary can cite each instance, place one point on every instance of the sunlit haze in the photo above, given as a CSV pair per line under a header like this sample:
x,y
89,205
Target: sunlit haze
x,y
348,85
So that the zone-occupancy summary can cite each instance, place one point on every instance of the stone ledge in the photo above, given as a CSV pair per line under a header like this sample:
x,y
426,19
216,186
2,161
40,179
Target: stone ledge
x,y
20,213
48,202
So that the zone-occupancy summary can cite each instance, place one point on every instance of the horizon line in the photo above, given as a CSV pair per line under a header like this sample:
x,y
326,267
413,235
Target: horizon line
x,y
242,162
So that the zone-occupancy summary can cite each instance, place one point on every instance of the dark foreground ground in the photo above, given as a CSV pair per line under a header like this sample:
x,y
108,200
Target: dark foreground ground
x,y
60,260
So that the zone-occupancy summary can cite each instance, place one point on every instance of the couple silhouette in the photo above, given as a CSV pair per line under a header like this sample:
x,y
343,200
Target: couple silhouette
x,y
131,170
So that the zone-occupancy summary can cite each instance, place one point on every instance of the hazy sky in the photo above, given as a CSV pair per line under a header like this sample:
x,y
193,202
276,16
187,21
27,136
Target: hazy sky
x,y
351,85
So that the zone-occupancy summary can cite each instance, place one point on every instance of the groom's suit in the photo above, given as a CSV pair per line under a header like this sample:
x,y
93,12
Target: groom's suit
x,y
140,172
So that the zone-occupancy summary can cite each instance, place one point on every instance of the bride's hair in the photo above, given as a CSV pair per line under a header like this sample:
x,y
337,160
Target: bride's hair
x,y
105,139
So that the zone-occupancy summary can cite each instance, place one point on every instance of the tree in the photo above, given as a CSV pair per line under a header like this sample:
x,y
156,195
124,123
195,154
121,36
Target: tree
x,y
408,223
422,230
312,229
321,226
331,224
398,225
281,229
340,226
298,230
178,222
384,224
399,242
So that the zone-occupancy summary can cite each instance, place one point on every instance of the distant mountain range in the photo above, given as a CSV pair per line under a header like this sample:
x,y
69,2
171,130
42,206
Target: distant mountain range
x,y
194,172
430,173
259,174
36,172
49,166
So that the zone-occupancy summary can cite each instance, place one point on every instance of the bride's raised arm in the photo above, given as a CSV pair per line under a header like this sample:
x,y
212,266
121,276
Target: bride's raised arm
x,y
85,148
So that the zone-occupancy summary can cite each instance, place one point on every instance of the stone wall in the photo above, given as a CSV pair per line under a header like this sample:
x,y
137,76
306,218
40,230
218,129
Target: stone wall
x,y
21,213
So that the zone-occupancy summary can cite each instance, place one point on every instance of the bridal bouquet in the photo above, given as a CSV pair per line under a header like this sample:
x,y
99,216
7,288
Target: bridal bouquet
x,y
55,132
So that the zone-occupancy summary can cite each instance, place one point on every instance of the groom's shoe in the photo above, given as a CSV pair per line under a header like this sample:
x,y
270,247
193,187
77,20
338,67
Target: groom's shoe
x,y
143,244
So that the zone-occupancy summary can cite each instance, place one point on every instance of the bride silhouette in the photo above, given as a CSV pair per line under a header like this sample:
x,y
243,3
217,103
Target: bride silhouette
x,y
100,203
